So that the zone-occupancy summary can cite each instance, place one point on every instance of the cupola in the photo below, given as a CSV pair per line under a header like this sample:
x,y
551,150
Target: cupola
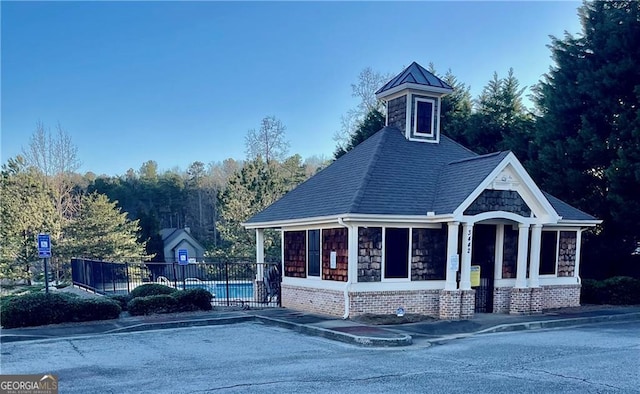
x,y
413,103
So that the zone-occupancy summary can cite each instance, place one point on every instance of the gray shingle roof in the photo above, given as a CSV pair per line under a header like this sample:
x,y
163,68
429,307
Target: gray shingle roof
x,y
567,211
415,74
386,174
390,175
459,178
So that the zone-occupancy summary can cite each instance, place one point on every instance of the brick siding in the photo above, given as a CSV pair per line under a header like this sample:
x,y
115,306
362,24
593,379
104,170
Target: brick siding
x,y
560,296
501,299
320,301
424,302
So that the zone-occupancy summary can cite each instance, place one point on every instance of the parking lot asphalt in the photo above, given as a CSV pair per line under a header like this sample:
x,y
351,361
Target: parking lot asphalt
x,y
431,331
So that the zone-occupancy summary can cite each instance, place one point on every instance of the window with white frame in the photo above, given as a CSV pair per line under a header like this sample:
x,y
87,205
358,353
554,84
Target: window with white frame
x,y
424,119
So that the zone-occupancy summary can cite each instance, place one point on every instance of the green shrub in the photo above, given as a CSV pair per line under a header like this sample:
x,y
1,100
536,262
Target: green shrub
x,y
150,289
619,290
161,303
40,308
193,299
121,299
89,309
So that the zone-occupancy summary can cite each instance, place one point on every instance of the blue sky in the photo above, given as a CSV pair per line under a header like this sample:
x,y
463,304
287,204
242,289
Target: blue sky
x,y
177,82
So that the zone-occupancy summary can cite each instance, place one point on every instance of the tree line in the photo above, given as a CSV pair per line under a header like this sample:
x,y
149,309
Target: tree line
x,y
580,142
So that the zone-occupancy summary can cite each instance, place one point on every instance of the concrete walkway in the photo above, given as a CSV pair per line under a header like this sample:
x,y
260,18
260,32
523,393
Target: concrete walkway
x,y
349,331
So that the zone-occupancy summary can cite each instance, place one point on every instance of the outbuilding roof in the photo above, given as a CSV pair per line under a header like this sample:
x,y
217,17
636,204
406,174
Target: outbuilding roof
x,y
390,175
415,75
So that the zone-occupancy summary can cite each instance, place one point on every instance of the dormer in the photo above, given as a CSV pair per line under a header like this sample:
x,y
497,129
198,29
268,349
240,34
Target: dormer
x,y
413,103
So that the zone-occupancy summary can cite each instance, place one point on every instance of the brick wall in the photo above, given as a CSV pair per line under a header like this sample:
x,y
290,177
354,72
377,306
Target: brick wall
x,y
325,302
536,300
499,200
428,254
295,254
501,299
468,304
335,239
510,253
457,304
560,296
369,254
520,301
424,302
567,253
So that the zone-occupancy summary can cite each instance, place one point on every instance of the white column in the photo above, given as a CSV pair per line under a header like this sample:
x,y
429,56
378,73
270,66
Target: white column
x,y
467,247
260,253
534,258
576,270
453,260
499,254
523,238
352,259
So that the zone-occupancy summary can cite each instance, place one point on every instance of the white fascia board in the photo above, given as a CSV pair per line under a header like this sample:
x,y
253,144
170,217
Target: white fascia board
x,y
368,218
553,216
579,223
413,86
314,283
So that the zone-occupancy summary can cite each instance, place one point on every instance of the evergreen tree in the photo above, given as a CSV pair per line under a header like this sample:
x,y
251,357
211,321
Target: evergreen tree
x,y
26,210
455,108
587,143
103,232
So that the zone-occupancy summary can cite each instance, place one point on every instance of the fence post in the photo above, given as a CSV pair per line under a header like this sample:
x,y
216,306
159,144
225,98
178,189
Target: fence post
x,y
126,274
113,277
102,276
226,275
175,275
184,279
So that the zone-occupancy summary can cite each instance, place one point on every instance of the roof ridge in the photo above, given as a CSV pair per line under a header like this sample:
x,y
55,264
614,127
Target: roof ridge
x,y
367,177
487,155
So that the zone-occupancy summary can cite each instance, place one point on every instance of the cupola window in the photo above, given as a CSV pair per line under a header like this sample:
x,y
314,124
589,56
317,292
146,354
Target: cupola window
x,y
424,119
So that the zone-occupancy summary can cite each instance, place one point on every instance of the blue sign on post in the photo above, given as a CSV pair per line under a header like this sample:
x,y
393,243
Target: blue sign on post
x,y
44,246
183,259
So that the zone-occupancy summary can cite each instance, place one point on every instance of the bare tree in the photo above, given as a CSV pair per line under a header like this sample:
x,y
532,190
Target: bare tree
x,y
365,91
268,142
56,157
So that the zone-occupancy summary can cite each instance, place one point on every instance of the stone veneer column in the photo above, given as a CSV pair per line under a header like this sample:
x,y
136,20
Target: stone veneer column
x,y
452,253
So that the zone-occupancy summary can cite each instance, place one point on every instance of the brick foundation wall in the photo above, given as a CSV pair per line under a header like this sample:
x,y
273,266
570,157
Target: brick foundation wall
x,y
424,302
295,254
501,299
320,301
520,301
428,254
369,254
560,296
536,300
468,305
335,239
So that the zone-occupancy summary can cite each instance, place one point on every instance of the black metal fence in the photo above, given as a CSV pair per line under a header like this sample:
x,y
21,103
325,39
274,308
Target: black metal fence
x,y
232,283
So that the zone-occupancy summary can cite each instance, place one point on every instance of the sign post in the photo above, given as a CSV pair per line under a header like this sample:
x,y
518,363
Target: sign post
x,y
183,259
44,252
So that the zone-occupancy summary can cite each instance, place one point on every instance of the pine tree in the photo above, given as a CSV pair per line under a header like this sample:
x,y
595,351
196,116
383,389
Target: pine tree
x,y
103,232
587,143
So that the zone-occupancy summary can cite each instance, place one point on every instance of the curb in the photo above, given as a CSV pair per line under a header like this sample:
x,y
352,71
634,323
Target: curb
x,y
541,324
401,340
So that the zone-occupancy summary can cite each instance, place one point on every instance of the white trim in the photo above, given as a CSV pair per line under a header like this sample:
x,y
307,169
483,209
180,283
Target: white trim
x,y
497,215
453,229
354,217
413,86
435,141
399,286
528,190
559,281
499,253
414,109
576,269
313,284
508,282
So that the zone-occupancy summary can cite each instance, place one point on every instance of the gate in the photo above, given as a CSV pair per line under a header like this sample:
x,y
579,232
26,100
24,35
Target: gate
x,y
484,296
